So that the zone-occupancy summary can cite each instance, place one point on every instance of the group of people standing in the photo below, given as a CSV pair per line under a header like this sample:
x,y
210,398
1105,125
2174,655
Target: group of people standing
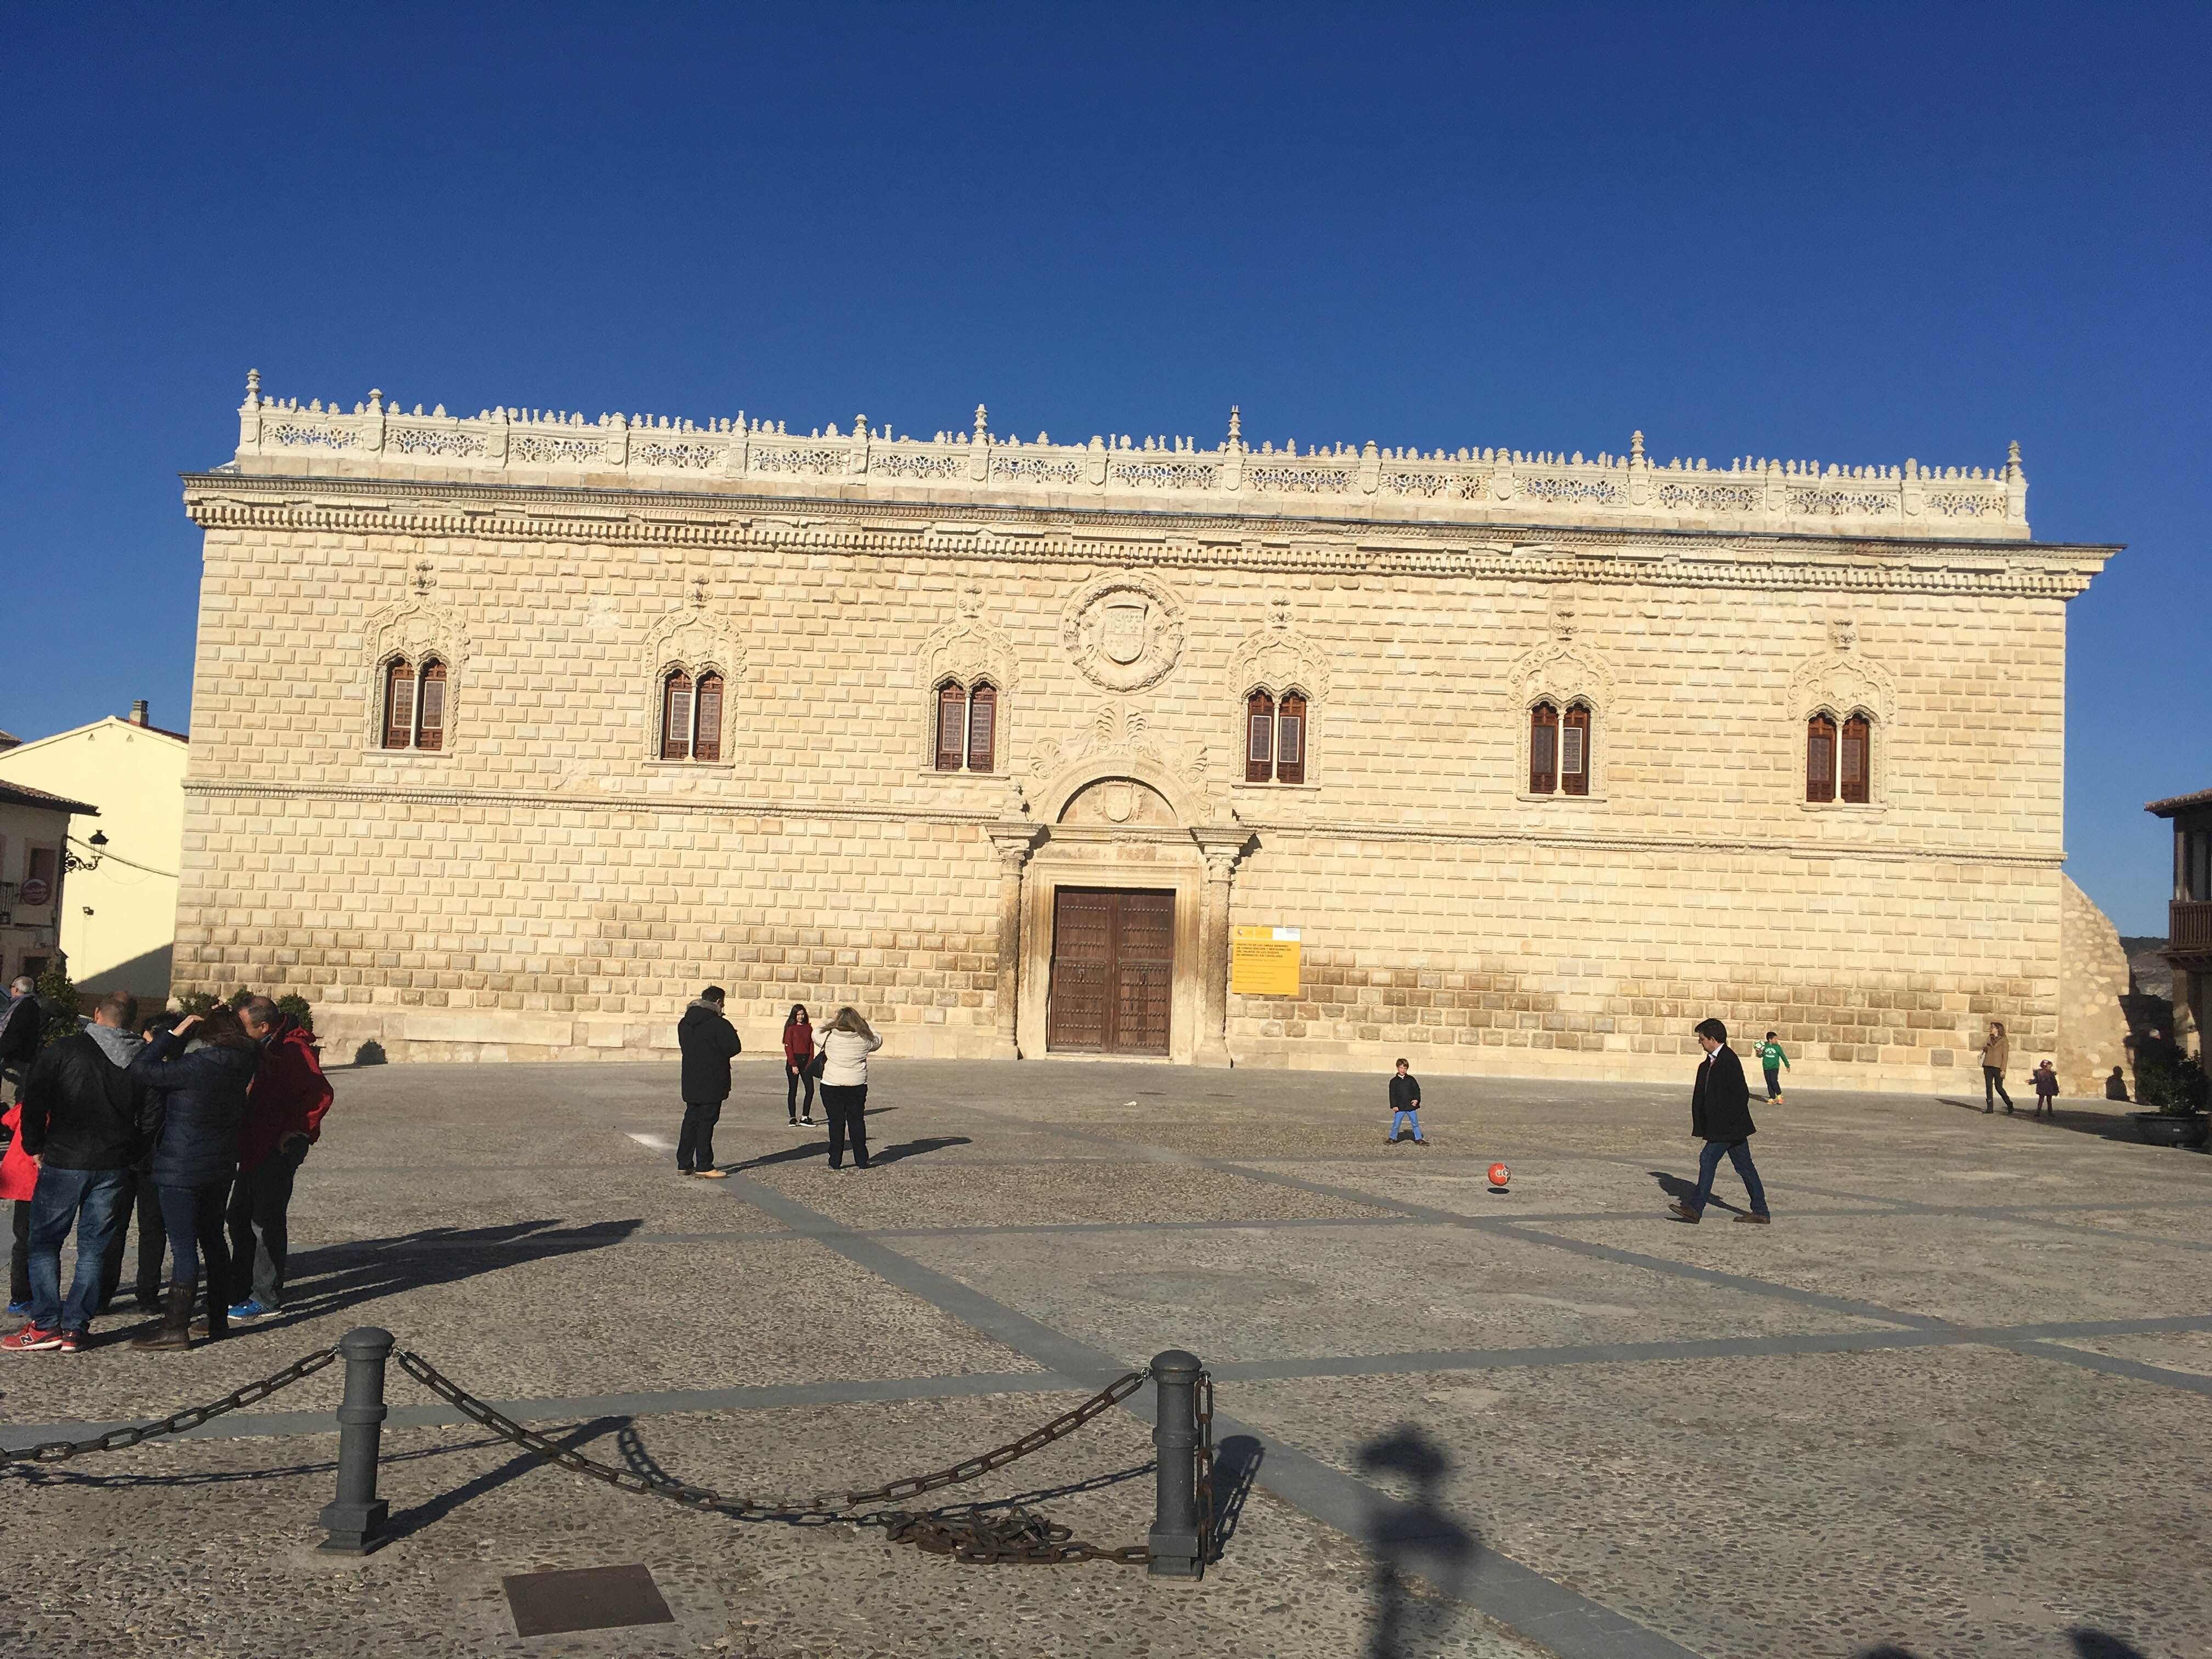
x,y
839,1065
196,1127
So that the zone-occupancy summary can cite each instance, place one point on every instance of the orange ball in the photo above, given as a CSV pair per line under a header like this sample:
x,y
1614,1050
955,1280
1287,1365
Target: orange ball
x,y
1499,1175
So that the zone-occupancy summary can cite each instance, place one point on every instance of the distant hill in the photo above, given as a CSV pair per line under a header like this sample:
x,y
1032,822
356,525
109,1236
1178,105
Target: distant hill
x,y
2153,974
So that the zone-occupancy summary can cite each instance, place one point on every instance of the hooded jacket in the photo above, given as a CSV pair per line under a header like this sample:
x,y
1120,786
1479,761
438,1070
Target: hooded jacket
x,y
204,1091
81,1111
19,1177
21,1029
707,1041
288,1097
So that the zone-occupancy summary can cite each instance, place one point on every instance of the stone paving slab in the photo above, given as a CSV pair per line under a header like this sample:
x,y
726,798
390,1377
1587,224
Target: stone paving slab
x,y
1262,1295
1967,1268
468,1514
1750,1508
1661,1440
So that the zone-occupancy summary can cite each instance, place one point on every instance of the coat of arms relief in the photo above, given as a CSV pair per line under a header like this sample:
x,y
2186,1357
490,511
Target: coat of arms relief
x,y
1124,632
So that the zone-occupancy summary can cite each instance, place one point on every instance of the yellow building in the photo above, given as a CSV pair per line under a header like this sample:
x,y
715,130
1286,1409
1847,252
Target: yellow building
x,y
120,918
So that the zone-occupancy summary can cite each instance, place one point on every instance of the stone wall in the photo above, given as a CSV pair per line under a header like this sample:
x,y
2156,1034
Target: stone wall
x,y
2093,979
546,886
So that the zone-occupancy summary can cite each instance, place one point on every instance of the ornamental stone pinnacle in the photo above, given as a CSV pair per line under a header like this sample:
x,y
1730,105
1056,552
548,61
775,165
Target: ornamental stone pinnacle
x,y
1470,485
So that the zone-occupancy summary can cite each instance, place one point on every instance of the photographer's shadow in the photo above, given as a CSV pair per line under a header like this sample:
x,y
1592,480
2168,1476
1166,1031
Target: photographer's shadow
x,y
1411,1540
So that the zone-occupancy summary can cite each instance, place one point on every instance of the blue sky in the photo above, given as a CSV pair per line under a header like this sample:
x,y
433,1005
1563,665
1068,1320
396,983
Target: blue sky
x,y
1856,233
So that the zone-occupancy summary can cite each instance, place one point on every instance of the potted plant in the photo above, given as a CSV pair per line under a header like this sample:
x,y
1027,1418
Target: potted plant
x,y
2178,1087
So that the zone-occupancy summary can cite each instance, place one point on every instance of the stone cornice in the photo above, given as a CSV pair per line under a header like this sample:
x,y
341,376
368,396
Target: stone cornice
x,y
992,821
1148,538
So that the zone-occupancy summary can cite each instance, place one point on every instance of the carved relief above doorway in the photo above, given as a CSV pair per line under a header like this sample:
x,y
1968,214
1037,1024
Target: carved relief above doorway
x,y
1115,802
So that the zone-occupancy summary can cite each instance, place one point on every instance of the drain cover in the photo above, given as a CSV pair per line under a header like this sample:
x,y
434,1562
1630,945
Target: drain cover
x,y
584,1598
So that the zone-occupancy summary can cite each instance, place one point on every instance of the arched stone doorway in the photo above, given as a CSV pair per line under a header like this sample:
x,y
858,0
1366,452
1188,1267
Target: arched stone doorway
x,y
1115,910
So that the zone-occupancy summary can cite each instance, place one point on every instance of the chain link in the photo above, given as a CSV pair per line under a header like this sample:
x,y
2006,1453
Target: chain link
x,y
56,1451
1017,1536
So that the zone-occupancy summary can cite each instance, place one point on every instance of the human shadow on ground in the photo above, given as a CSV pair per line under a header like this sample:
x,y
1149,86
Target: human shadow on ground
x,y
1682,1191
2087,1645
2105,1125
331,1277
907,1149
1411,1540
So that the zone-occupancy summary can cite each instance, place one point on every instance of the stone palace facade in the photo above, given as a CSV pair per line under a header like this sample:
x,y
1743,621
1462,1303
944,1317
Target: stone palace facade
x,y
511,731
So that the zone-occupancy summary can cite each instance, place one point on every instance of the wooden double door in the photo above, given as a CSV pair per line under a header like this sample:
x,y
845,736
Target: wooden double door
x,y
1113,971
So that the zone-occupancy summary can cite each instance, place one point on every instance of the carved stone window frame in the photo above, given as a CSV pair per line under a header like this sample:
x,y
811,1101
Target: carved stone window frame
x,y
1840,683
696,640
414,632
966,652
1564,675
1276,661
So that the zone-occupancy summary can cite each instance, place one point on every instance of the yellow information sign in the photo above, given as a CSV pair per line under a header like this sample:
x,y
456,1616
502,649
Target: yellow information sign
x,y
1263,962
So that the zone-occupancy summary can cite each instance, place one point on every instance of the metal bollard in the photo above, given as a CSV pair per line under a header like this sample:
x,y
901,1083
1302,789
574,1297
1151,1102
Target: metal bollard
x,y
1173,1543
356,1516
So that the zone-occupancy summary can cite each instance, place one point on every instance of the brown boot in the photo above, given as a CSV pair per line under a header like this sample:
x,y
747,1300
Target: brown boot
x,y
176,1330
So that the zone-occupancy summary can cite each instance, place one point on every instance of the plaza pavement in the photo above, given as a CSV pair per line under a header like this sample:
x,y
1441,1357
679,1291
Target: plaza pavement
x,y
1954,1401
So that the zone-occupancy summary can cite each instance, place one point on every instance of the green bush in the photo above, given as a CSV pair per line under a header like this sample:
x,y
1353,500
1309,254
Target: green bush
x,y
2176,1086
196,1002
58,992
297,1007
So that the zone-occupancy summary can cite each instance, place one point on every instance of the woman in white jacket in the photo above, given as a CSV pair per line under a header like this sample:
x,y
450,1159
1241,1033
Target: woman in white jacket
x,y
847,1042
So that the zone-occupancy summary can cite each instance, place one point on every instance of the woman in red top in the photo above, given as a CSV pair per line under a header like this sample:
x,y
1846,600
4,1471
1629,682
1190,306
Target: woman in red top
x,y
19,1179
798,1050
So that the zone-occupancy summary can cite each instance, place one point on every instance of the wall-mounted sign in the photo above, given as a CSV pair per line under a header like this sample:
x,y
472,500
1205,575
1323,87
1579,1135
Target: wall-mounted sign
x,y
35,890
1263,962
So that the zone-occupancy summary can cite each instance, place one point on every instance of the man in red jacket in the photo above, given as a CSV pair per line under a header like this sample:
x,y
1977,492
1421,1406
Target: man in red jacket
x,y
283,1118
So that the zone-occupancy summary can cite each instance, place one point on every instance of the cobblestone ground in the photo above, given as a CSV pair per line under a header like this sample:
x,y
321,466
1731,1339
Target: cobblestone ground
x,y
1953,1402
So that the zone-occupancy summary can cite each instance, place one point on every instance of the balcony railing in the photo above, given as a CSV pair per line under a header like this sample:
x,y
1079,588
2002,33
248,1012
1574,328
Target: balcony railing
x,y
2189,925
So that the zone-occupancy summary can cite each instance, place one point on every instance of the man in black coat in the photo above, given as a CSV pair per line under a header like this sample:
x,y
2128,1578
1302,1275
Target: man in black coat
x,y
707,1041
1720,1115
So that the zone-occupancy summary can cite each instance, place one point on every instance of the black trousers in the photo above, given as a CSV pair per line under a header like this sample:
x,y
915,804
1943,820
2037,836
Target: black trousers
x,y
152,1244
19,1262
1993,1079
793,1077
848,1106
695,1146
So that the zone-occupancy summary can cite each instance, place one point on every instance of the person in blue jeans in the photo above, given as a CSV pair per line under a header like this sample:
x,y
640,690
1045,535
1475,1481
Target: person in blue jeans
x,y
1720,1115
84,1120
1405,1105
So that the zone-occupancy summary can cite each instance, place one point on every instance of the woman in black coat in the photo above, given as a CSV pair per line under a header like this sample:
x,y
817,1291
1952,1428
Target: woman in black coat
x,y
202,1069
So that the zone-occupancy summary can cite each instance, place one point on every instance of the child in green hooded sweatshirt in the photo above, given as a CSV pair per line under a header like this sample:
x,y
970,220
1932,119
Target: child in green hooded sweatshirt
x,y
1772,1057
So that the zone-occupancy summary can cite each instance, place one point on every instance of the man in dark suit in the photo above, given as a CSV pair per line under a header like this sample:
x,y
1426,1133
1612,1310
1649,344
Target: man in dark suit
x,y
1720,1115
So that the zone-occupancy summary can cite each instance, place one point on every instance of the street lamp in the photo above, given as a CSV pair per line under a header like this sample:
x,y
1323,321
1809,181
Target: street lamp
x,y
99,845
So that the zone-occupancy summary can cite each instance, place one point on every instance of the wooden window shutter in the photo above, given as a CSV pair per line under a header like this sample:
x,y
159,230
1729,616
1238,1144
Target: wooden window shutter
x,y
1820,758
1291,739
399,706
1575,752
430,707
1543,749
951,726
707,744
982,727
676,717
1859,760
1259,737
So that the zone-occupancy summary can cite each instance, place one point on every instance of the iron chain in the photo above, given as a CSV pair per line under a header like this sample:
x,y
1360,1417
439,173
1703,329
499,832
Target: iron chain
x,y
1018,1535
56,1451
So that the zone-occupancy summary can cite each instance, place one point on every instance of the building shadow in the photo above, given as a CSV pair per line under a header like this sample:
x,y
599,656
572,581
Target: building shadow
x,y
1414,1540
2105,1125
1682,1190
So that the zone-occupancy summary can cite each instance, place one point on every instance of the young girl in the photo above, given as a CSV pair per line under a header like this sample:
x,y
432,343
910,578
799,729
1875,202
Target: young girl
x,y
2046,1089
798,1051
